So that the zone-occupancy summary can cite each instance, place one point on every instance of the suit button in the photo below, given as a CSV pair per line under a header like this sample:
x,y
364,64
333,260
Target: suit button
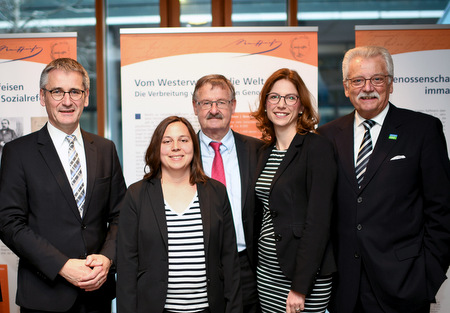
x,y
359,200
356,255
273,213
278,237
359,227
83,227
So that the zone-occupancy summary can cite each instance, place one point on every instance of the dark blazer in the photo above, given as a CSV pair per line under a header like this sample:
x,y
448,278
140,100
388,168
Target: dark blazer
x,y
398,222
39,219
300,202
247,153
142,266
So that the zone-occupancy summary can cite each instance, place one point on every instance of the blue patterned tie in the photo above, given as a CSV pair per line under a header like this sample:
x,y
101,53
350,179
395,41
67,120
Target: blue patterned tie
x,y
365,150
76,177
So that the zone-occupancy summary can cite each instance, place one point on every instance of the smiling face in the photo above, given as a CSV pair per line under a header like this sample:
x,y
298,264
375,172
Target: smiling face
x,y
368,100
214,122
177,149
64,114
283,116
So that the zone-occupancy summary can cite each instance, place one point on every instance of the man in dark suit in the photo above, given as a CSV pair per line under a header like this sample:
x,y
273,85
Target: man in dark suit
x,y
66,243
214,102
392,218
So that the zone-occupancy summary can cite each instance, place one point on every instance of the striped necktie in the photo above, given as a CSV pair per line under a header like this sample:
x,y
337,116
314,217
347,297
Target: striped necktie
x,y
365,150
76,177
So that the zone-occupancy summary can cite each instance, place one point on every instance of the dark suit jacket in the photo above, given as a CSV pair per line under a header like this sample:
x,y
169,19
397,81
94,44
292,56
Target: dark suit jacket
x,y
398,223
247,153
39,219
143,266
300,202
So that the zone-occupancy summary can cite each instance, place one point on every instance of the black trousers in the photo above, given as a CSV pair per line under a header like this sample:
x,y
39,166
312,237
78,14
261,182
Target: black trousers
x,y
368,303
248,285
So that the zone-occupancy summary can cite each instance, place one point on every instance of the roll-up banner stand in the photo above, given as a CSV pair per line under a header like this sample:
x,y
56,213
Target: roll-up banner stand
x,y
22,59
421,55
160,67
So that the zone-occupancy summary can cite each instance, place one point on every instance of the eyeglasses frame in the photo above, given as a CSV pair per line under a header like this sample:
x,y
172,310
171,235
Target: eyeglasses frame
x,y
64,93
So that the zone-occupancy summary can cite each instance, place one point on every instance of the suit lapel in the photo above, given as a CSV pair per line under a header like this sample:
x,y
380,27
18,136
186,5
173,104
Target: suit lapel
x,y
264,154
90,151
51,158
244,163
383,145
345,148
205,205
291,153
155,195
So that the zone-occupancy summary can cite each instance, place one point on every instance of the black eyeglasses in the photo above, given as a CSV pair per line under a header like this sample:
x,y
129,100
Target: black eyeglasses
x,y
274,98
207,104
376,80
58,94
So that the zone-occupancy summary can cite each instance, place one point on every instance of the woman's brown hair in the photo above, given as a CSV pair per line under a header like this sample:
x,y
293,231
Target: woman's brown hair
x,y
306,122
153,154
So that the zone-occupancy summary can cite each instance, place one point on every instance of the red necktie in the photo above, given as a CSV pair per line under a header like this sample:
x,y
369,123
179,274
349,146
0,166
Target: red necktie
x,y
217,171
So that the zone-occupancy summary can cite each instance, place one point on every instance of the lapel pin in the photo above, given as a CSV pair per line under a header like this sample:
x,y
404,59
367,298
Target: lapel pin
x,y
393,136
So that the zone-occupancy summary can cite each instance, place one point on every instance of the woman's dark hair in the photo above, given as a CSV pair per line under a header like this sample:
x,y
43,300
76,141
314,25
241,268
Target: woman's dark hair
x,y
153,154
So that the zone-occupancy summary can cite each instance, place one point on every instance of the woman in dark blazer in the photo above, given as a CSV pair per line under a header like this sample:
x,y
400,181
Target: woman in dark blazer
x,y
295,183
176,243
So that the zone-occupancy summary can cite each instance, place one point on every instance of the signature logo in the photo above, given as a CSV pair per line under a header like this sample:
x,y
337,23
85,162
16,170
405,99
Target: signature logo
x,y
18,53
260,46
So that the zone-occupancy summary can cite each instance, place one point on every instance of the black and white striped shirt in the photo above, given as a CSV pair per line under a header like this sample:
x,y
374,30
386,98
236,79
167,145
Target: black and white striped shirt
x,y
273,285
187,288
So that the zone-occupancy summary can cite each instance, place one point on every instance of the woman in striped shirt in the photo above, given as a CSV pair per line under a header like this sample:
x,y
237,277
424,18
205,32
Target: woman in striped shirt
x,y
295,184
176,243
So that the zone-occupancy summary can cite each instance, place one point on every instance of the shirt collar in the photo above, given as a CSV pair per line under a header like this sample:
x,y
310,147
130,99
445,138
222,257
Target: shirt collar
x,y
227,141
379,119
58,136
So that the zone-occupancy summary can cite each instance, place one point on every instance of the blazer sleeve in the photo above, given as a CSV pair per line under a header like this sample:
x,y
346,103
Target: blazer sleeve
x,y
117,191
321,176
223,268
14,229
127,253
435,174
230,261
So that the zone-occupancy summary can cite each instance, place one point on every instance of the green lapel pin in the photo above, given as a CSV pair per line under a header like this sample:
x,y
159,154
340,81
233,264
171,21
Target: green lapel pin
x,y
393,136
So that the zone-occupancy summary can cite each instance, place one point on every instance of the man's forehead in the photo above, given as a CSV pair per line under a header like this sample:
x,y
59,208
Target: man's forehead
x,y
213,87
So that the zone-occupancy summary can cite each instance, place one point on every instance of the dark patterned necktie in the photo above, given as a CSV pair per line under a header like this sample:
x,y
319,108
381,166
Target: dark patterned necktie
x,y
365,150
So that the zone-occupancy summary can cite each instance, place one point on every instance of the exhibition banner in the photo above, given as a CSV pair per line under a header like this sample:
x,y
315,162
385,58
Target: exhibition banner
x,y
22,59
421,55
160,67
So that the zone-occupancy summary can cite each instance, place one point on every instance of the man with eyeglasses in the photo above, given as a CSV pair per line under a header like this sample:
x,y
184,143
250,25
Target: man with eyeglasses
x,y
59,193
392,215
214,103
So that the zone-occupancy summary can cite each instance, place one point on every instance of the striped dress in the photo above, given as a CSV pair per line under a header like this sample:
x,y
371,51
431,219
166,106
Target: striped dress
x,y
187,288
273,285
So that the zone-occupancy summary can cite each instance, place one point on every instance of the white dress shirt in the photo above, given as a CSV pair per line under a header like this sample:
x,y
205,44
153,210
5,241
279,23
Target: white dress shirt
x,y
232,177
62,147
359,129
